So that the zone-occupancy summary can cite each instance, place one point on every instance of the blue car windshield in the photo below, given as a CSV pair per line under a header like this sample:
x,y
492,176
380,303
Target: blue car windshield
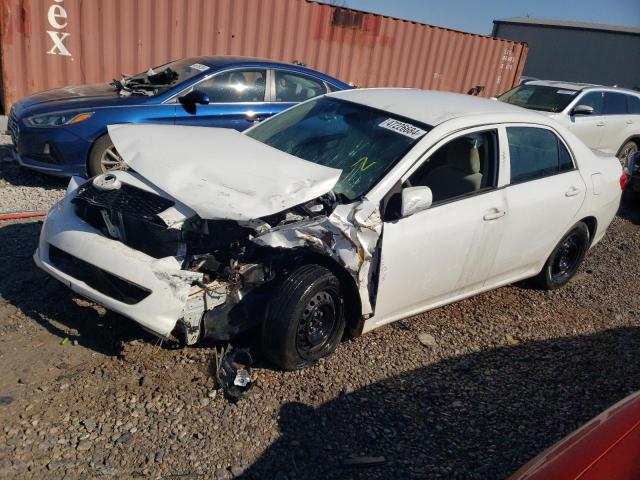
x,y
159,79
363,142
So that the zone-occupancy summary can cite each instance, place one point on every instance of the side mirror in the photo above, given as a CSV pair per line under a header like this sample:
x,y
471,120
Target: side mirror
x,y
582,110
194,97
415,199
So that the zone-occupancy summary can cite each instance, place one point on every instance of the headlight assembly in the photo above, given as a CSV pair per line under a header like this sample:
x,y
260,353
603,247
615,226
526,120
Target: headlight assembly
x,y
57,119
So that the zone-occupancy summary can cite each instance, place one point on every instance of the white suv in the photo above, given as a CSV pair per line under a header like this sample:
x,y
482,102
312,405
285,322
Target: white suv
x,y
605,118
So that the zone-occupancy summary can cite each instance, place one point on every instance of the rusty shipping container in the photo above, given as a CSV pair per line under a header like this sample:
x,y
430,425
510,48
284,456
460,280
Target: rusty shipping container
x,y
52,43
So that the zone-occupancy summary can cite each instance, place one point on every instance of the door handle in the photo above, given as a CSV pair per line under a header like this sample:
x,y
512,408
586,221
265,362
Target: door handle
x,y
629,122
572,192
256,117
600,124
494,214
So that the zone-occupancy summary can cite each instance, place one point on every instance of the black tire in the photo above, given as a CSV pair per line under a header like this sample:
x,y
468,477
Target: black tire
x,y
564,261
104,157
305,320
626,151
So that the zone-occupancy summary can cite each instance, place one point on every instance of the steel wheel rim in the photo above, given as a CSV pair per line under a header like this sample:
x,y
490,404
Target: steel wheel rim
x,y
566,259
111,160
318,323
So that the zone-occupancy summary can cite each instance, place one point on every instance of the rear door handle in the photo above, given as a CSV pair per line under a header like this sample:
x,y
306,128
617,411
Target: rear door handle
x,y
494,214
600,124
572,192
256,117
629,122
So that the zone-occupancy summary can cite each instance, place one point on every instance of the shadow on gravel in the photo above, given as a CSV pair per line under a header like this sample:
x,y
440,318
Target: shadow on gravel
x,y
14,174
49,303
482,415
630,207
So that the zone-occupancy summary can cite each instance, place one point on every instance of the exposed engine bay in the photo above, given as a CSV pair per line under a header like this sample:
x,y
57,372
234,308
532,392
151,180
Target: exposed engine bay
x,y
227,266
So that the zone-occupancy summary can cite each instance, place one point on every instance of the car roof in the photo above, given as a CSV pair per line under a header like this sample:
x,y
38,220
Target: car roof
x,y
221,61
560,84
427,106
578,86
218,61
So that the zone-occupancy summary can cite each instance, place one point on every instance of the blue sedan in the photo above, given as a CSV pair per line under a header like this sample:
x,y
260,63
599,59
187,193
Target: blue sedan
x,y
64,131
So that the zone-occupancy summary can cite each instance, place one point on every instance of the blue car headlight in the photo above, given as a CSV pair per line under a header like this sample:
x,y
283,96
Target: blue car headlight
x,y
58,119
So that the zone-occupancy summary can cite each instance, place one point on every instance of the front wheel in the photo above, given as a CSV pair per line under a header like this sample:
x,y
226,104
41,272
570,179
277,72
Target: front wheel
x,y
306,319
104,157
565,259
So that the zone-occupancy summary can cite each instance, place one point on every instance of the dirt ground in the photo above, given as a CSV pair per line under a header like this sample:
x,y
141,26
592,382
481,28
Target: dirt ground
x,y
85,393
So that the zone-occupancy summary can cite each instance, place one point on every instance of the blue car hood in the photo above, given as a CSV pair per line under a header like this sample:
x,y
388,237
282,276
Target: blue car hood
x,y
75,97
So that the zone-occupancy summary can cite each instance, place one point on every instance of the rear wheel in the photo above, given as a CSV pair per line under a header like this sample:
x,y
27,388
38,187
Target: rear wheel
x,y
104,157
306,320
564,261
626,151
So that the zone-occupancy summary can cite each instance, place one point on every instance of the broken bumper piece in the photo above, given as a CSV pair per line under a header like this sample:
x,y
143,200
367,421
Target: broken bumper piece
x,y
155,293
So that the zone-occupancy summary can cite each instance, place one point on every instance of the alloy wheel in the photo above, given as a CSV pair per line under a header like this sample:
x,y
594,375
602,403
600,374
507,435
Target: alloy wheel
x,y
111,160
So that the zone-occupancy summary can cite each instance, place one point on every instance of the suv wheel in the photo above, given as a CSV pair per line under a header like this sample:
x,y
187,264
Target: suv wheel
x,y
626,151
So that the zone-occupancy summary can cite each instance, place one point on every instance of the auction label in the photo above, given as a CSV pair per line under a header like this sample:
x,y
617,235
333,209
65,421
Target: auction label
x,y
402,128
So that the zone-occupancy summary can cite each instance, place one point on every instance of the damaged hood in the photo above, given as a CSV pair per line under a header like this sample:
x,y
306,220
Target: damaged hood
x,y
220,173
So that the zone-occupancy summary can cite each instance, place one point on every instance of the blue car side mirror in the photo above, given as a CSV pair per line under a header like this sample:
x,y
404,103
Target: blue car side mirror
x,y
194,97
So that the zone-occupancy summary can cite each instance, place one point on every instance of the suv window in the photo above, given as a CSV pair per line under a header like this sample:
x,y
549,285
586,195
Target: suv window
x,y
615,103
291,87
594,100
462,166
536,153
633,103
235,86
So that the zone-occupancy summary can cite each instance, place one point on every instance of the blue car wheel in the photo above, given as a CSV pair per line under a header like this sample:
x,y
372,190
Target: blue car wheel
x,y
104,157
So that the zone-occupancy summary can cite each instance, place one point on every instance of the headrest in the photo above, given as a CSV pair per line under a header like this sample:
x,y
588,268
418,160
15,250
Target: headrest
x,y
462,154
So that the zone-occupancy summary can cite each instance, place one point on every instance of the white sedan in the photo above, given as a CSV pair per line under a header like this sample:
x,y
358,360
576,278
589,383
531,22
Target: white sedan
x,y
339,215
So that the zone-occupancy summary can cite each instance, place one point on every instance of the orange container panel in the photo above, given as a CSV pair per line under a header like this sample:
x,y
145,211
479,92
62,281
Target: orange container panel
x,y
52,43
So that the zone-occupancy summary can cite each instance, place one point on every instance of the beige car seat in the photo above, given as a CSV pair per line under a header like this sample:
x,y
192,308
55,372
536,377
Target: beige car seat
x,y
460,175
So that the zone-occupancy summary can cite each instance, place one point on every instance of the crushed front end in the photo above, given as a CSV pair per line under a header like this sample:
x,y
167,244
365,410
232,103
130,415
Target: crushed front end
x,y
123,243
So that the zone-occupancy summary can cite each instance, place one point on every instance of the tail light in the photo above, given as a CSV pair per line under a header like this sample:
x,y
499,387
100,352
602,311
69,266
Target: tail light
x,y
624,180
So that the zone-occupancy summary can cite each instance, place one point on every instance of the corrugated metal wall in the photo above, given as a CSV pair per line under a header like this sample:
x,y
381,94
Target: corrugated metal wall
x,y
51,43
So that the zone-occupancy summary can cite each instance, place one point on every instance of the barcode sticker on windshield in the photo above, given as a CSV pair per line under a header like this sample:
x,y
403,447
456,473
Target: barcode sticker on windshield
x,y
199,66
566,92
402,128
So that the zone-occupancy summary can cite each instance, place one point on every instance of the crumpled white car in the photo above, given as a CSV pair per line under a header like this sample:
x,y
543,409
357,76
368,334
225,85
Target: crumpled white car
x,y
339,215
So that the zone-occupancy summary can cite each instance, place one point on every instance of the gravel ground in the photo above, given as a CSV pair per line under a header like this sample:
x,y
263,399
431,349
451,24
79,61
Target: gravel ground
x,y
85,393
22,189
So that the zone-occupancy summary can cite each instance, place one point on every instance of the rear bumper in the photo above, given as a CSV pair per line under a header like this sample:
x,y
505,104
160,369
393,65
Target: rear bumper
x,y
169,286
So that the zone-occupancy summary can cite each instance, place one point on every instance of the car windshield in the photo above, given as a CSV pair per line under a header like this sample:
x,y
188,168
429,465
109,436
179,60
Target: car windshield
x,y
159,79
362,142
539,97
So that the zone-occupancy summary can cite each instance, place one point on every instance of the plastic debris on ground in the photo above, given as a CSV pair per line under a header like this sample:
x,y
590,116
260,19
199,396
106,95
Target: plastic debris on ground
x,y
233,372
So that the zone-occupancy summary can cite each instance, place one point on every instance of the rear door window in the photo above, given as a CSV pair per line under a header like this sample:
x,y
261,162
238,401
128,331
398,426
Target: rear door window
x,y
536,153
293,88
633,103
615,103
